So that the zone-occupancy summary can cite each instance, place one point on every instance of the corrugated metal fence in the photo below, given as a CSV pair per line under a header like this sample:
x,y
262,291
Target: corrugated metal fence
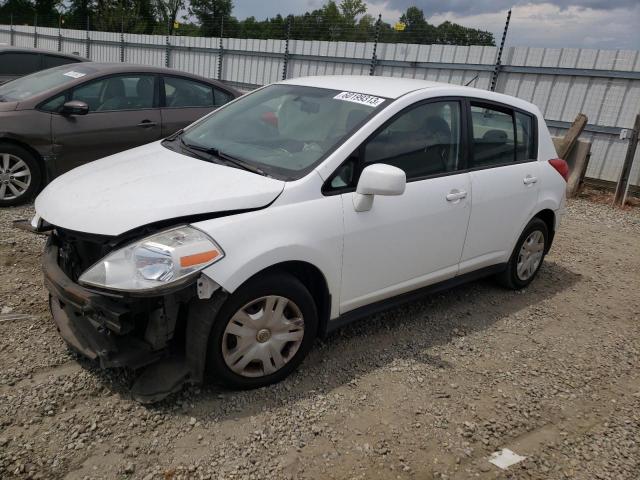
x,y
562,82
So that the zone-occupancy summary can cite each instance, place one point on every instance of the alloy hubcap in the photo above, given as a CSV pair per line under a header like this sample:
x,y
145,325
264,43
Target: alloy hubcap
x,y
263,336
530,255
15,176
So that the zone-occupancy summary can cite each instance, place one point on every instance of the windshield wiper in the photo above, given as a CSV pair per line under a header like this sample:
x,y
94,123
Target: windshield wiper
x,y
226,157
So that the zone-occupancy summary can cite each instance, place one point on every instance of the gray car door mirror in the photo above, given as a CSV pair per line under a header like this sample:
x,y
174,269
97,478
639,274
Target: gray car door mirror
x,y
75,107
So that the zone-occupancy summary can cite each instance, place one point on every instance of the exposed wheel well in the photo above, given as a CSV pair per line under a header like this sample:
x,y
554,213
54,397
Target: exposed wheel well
x,y
32,151
313,279
549,218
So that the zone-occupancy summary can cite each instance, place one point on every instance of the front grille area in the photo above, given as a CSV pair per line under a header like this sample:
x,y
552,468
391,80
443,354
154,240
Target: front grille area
x,y
78,251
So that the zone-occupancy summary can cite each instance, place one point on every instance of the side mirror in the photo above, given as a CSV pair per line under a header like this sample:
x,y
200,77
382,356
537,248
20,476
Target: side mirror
x,y
75,107
378,179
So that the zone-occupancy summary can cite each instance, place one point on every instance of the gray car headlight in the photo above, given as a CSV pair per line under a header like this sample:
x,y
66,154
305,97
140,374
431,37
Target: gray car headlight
x,y
155,261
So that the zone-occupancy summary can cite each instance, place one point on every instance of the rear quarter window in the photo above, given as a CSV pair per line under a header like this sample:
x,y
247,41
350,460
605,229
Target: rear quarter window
x,y
19,63
50,61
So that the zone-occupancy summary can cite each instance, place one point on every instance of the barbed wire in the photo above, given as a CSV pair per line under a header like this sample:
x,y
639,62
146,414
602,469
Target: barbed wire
x,y
119,22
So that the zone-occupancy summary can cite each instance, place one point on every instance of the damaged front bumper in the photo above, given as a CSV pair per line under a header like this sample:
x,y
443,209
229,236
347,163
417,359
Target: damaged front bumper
x,y
157,333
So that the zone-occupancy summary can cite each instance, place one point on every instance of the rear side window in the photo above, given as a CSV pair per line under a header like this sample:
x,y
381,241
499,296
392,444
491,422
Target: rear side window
x,y
19,63
50,61
182,92
525,137
501,136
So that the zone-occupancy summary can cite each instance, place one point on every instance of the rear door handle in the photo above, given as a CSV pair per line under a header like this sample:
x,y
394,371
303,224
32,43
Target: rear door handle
x,y
455,195
528,180
147,124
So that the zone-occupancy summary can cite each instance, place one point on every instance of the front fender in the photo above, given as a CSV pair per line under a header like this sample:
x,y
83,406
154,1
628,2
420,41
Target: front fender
x,y
309,231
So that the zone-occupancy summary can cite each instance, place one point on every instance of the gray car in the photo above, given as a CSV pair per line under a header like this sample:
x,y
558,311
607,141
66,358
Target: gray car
x,y
56,119
17,62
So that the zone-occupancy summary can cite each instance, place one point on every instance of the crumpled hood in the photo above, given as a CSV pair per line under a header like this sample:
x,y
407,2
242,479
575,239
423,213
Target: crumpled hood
x,y
145,185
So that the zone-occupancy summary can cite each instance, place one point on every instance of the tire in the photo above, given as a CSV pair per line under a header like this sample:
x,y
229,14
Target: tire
x,y
17,160
537,231
225,347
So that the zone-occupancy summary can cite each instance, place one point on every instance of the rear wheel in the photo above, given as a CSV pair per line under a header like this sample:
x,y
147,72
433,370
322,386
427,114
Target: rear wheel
x,y
19,175
527,256
262,333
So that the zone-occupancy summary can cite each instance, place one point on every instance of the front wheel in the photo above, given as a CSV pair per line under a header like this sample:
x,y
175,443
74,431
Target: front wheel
x,y
262,333
19,175
527,256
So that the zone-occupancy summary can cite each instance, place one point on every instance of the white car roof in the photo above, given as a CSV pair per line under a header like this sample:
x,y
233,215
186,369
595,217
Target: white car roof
x,y
394,87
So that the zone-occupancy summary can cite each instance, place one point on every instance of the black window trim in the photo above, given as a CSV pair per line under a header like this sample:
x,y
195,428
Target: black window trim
x,y
67,92
464,161
504,108
163,97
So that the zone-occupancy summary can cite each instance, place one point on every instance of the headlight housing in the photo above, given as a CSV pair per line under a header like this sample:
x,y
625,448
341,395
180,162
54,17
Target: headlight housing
x,y
154,262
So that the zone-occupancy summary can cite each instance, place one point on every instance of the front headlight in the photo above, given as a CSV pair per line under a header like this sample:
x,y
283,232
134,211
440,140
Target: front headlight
x,y
155,261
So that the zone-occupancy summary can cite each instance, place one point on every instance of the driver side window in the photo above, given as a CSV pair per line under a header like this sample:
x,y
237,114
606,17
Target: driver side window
x,y
130,92
422,141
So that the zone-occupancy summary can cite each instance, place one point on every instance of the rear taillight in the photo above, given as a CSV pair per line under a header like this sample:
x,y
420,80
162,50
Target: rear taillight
x,y
561,167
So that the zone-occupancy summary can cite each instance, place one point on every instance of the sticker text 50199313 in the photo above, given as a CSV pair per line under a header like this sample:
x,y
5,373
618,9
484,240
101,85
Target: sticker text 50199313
x,y
360,98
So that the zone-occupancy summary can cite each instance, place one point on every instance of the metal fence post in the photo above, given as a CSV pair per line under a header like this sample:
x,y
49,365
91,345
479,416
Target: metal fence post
x,y
59,33
88,40
167,50
122,39
12,41
35,31
374,57
496,69
623,183
220,49
285,64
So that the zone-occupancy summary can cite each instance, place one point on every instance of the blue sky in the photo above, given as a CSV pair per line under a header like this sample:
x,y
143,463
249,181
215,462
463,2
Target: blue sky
x,y
613,24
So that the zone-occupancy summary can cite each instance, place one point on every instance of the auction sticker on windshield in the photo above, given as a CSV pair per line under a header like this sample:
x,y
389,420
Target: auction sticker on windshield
x,y
73,74
360,98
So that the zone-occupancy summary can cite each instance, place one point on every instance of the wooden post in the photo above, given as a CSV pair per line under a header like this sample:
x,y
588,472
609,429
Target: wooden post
x,y
623,182
569,140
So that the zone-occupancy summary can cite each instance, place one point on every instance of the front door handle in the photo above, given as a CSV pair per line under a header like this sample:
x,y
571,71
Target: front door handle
x,y
528,180
455,195
147,124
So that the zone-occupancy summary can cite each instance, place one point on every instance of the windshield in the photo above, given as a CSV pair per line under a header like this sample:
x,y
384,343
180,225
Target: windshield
x,y
284,130
30,85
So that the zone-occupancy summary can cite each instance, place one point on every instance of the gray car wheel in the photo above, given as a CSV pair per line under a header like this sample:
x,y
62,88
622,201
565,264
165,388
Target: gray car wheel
x,y
263,332
19,175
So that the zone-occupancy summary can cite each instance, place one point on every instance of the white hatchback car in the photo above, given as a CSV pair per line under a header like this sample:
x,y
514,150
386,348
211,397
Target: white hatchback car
x,y
227,248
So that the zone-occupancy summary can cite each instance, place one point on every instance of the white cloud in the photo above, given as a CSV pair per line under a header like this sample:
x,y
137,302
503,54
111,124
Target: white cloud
x,y
547,25
532,24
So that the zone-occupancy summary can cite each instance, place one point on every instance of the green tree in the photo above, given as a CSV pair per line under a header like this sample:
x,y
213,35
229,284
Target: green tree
x,y
351,9
209,13
167,11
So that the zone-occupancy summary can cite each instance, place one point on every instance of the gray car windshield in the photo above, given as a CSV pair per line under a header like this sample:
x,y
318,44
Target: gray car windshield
x,y
285,130
30,85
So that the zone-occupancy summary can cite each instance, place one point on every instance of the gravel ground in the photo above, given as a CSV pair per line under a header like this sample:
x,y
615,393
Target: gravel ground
x,y
425,391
